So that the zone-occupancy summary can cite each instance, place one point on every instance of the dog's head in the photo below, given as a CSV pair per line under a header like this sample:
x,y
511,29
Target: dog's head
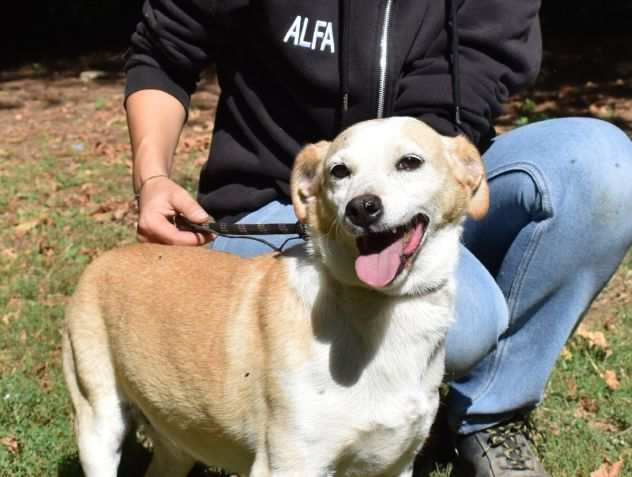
x,y
385,201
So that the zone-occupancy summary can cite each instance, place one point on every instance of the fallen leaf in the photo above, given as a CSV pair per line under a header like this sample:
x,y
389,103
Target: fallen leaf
x,y
595,339
556,431
611,379
103,217
119,214
566,354
586,407
610,323
9,253
604,426
601,110
11,444
608,470
8,317
41,371
25,227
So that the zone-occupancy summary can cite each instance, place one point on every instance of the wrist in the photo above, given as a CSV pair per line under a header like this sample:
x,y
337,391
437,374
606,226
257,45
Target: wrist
x,y
149,160
139,189
144,171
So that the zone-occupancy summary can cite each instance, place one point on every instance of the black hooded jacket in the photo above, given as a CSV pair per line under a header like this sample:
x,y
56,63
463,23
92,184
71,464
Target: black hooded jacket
x,y
294,72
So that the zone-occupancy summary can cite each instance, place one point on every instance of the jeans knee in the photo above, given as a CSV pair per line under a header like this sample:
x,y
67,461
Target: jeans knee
x,y
594,149
599,175
481,317
583,168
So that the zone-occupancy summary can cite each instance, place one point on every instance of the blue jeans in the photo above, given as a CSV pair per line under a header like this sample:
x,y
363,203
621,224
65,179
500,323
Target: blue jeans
x,y
558,226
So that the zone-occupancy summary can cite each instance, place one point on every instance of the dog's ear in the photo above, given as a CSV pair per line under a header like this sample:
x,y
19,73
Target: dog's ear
x,y
470,173
305,178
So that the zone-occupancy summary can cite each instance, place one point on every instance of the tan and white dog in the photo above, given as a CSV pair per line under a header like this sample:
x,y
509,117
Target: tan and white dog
x,y
325,360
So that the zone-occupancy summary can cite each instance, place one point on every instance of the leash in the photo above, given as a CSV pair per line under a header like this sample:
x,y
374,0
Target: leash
x,y
245,231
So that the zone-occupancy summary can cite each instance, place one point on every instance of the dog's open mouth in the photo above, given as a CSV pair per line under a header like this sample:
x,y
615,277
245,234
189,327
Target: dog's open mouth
x,y
384,255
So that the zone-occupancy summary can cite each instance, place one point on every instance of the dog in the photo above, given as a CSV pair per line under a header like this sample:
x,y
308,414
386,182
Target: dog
x,y
323,360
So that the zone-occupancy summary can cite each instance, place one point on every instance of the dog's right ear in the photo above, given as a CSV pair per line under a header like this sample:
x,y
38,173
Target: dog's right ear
x,y
470,173
306,173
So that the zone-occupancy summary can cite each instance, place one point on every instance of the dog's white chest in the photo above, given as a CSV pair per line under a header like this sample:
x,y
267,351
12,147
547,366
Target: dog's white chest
x,y
387,431
363,400
369,422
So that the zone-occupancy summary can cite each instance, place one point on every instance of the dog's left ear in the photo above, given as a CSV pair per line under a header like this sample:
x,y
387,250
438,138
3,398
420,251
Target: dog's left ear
x,y
305,180
470,173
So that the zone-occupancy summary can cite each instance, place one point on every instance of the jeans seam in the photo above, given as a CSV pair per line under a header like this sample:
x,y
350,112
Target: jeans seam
x,y
534,241
537,177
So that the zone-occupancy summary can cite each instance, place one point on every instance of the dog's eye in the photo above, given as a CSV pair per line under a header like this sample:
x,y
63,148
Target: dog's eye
x,y
409,163
340,171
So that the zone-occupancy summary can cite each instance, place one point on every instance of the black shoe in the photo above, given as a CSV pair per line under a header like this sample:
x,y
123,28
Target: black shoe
x,y
500,451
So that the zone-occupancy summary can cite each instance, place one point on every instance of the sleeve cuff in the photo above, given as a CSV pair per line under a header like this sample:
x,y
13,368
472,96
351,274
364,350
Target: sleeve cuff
x,y
142,77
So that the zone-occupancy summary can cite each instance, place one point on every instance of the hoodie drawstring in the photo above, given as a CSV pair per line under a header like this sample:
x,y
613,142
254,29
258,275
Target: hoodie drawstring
x,y
454,62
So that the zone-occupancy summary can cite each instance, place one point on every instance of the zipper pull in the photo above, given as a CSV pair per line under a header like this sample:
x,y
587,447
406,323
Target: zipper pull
x,y
345,102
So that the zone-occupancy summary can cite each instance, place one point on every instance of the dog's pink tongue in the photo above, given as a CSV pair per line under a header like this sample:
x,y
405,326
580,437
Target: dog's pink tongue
x,y
379,269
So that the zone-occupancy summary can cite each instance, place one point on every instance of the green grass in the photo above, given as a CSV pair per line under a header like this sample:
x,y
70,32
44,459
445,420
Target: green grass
x,y
52,205
592,422
40,268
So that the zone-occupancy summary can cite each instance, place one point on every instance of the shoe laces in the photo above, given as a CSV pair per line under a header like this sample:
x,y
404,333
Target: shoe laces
x,y
511,439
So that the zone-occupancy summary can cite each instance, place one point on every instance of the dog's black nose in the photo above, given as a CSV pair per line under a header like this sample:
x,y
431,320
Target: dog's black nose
x,y
364,210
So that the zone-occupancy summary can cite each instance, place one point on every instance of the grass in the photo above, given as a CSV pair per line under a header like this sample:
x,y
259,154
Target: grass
x,y
62,204
583,420
42,255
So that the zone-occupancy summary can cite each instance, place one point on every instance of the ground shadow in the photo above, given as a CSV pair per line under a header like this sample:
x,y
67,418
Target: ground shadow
x,y
134,463
438,450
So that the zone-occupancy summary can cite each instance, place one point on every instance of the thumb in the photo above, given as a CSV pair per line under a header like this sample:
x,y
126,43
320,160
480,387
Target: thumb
x,y
189,207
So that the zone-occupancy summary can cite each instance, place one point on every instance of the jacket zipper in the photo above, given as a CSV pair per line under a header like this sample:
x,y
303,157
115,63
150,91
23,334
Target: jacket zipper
x,y
383,66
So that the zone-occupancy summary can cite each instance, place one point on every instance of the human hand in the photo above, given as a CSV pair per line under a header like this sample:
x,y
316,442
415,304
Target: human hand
x,y
160,199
